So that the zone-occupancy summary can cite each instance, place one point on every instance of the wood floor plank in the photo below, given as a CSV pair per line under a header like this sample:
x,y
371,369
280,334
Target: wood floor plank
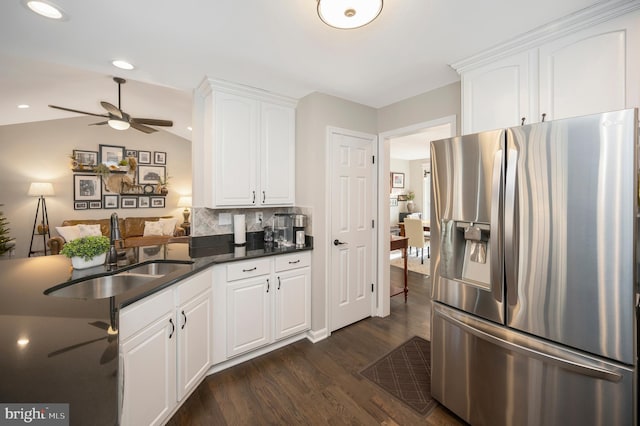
x,y
320,384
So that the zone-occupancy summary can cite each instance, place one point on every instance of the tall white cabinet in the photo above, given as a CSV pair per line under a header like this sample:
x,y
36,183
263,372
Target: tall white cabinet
x,y
243,147
591,67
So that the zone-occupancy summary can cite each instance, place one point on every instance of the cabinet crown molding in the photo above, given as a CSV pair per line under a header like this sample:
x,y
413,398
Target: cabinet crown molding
x,y
210,84
582,19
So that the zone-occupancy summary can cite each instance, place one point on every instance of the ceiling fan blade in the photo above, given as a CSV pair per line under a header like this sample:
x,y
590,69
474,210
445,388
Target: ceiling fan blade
x,y
98,124
142,127
79,112
152,122
111,108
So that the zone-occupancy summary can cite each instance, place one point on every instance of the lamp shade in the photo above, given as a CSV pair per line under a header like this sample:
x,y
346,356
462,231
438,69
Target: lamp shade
x,y
184,202
348,14
37,189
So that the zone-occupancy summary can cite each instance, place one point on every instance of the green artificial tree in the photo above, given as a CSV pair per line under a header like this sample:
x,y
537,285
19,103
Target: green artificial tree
x,y
4,234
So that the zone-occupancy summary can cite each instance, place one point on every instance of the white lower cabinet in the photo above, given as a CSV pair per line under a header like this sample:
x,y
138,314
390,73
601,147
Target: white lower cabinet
x,y
165,349
258,302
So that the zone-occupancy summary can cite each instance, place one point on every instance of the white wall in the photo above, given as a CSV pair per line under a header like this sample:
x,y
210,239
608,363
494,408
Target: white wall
x,y
314,113
40,152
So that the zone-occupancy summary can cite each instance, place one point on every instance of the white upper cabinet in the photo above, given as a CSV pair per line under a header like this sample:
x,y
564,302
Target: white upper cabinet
x,y
243,147
582,66
497,95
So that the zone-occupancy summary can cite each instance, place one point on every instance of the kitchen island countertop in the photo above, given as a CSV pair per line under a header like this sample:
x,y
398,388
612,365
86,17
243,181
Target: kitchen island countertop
x,y
57,349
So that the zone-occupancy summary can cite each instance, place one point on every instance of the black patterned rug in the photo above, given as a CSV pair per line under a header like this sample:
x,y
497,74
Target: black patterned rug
x,y
405,373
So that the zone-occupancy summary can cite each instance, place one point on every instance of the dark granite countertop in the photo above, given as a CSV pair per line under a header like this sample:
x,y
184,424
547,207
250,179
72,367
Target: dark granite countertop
x,y
69,357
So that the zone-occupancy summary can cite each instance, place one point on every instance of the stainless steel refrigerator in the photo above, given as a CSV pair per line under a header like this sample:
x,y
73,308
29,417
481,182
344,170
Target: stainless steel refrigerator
x,y
533,233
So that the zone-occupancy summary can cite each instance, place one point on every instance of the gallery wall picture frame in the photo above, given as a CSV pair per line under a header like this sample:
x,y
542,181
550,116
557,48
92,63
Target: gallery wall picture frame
x,y
393,202
157,202
128,202
144,202
151,174
144,157
87,187
95,204
131,153
80,205
111,155
86,158
110,201
159,157
402,197
397,180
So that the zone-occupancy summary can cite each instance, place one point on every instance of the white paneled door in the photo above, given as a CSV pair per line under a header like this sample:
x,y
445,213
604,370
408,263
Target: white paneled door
x,y
352,245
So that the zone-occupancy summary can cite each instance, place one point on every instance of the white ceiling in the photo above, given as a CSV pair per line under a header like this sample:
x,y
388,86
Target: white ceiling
x,y
277,45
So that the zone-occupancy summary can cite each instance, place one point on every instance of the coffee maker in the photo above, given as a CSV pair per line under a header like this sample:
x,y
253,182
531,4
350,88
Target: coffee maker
x,y
299,221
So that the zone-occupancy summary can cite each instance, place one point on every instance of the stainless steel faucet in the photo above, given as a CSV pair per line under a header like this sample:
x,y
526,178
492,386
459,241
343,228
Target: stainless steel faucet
x,y
112,258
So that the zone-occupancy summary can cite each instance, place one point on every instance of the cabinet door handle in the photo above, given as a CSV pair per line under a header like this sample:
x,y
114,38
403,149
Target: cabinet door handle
x,y
264,196
254,197
173,328
185,320
294,262
249,270
267,285
278,283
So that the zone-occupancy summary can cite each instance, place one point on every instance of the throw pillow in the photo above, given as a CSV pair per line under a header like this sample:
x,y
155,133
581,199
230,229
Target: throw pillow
x,y
152,228
169,226
69,233
89,230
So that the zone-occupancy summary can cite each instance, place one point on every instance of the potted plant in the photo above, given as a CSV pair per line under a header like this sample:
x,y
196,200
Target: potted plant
x,y
410,205
86,252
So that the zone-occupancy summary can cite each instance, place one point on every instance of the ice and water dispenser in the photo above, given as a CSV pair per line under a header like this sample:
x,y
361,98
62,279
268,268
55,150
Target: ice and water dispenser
x,y
465,252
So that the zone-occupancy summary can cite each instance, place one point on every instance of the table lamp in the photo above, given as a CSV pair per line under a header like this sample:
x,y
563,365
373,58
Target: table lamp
x,y
186,203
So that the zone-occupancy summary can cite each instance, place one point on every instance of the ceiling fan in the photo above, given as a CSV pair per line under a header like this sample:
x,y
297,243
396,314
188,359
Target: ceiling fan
x,y
120,120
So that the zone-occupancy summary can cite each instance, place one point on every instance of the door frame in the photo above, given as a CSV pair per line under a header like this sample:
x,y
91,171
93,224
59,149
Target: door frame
x,y
384,142
327,220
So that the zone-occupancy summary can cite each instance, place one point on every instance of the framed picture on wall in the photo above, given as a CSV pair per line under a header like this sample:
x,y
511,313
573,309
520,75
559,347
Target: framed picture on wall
x,y
80,205
95,204
151,174
159,157
144,157
86,158
143,202
128,202
397,180
110,201
87,188
157,202
131,153
111,155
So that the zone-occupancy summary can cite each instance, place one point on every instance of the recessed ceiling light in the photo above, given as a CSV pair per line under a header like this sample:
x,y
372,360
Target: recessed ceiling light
x,y
23,106
123,65
23,341
45,8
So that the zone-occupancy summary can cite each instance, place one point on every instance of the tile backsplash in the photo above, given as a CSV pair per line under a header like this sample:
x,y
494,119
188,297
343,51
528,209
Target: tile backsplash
x,y
207,221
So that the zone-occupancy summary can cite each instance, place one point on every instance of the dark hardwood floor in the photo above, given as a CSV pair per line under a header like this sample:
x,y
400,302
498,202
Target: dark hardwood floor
x,y
318,384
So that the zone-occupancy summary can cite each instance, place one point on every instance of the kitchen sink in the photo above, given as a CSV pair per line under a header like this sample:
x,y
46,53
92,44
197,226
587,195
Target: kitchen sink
x,y
112,285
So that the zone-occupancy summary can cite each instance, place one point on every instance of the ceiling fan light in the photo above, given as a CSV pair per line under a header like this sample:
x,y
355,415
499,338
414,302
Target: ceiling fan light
x,y
45,9
348,14
118,124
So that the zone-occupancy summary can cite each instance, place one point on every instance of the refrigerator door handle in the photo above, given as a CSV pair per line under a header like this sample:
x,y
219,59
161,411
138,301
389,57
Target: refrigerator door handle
x,y
510,238
496,226
579,368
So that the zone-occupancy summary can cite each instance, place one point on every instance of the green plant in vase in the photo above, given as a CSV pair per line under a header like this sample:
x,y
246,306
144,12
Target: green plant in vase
x,y
410,205
86,252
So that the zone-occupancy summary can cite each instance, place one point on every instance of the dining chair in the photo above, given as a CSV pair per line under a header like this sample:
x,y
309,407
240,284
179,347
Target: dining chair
x,y
413,229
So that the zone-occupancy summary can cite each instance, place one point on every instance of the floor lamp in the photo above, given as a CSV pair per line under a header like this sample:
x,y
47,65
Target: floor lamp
x,y
40,189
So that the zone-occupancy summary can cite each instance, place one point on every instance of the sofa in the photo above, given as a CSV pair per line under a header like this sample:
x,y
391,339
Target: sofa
x,y
132,231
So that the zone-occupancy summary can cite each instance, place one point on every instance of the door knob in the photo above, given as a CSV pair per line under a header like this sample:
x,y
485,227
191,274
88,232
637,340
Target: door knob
x,y
337,242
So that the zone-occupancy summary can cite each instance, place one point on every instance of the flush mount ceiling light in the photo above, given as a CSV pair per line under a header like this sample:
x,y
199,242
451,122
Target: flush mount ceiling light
x,y
123,65
348,14
45,8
